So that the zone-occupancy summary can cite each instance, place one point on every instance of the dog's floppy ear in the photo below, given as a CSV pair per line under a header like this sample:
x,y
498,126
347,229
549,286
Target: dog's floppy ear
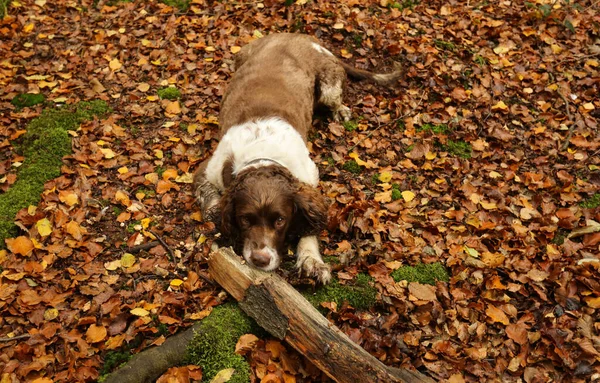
x,y
312,208
228,225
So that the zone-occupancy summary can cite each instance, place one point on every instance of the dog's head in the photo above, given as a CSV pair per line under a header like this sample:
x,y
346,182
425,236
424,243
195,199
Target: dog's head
x,y
263,207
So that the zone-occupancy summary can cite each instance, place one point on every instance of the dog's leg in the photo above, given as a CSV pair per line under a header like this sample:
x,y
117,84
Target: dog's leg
x,y
207,194
330,82
309,259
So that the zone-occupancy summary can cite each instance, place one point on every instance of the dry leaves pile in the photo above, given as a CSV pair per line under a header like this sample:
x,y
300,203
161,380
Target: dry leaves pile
x,y
461,162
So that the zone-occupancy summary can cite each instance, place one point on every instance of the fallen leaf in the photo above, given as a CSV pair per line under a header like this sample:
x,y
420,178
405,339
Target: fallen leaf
x,y
20,245
497,315
115,64
44,227
95,334
245,344
140,312
223,376
173,107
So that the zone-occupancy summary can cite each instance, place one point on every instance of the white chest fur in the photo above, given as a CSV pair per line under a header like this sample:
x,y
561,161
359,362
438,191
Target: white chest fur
x,y
270,138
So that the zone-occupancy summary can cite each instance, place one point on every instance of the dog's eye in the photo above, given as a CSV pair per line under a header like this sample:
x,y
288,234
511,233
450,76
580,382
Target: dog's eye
x,y
245,221
279,221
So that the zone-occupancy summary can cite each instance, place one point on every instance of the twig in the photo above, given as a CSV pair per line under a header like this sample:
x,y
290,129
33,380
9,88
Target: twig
x,y
572,128
143,246
164,244
388,124
10,339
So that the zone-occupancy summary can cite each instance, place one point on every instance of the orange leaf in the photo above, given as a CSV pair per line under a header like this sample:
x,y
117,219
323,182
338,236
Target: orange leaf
x,y
497,315
169,174
75,230
245,344
20,245
164,186
173,107
95,333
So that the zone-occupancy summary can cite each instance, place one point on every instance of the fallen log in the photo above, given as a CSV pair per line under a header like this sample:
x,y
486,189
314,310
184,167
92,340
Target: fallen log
x,y
150,364
286,314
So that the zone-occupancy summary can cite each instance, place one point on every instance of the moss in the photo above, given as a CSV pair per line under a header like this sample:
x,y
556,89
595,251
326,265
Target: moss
x,y
352,167
445,45
3,8
27,99
422,273
213,346
404,4
350,126
169,93
182,5
113,360
437,129
43,146
396,193
458,148
592,202
361,294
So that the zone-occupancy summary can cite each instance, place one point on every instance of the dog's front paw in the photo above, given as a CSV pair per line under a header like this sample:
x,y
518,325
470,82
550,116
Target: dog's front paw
x,y
342,113
313,267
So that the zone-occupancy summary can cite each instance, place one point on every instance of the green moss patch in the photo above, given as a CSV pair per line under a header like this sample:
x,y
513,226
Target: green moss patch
x,y
423,273
112,361
352,167
27,99
350,126
44,145
169,93
361,294
3,8
460,149
396,193
213,346
592,202
436,129
182,5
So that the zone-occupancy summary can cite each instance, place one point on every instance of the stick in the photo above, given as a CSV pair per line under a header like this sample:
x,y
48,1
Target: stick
x,y
282,311
149,364
10,339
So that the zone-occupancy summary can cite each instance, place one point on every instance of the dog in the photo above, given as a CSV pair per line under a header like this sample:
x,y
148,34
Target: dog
x,y
261,183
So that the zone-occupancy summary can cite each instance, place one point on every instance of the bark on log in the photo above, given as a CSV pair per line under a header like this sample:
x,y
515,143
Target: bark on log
x,y
150,364
282,311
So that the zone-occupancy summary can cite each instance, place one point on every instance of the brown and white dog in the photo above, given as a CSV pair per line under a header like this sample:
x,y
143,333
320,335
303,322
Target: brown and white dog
x,y
261,182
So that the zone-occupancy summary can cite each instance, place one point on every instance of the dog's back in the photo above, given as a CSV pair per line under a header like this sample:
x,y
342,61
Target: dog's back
x,y
275,76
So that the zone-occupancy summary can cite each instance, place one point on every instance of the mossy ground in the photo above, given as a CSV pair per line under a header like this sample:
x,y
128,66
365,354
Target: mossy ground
x,y
592,202
27,99
213,346
3,8
352,167
169,93
43,146
360,294
460,149
423,273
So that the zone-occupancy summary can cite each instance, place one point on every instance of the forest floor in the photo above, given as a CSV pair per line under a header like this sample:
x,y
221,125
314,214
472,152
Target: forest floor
x,y
484,157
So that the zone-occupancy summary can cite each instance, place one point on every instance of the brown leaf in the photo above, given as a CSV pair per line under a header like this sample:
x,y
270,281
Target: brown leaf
x,y
245,344
20,245
517,332
496,315
95,334
421,292
418,151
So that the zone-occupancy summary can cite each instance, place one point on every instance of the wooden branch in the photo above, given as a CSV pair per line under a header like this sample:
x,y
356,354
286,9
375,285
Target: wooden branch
x,y
282,311
150,364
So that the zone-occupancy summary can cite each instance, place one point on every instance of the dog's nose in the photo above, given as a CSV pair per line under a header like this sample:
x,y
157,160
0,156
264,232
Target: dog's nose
x,y
260,258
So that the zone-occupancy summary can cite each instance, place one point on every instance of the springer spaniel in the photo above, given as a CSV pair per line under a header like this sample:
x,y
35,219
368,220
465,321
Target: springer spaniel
x,y
261,183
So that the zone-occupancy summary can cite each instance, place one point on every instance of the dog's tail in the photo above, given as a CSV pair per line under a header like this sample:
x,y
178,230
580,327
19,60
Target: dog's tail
x,y
379,78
